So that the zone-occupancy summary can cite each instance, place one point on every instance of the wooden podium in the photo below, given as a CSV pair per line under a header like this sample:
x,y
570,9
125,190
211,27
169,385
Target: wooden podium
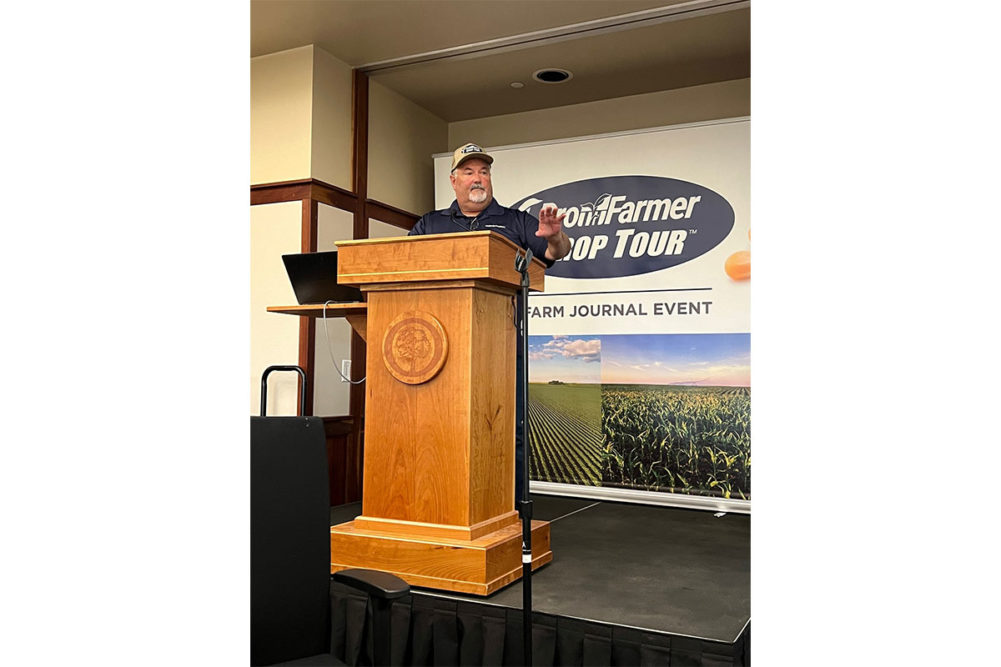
x,y
438,490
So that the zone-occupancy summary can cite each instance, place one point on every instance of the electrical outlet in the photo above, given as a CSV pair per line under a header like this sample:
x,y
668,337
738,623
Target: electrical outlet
x,y
345,370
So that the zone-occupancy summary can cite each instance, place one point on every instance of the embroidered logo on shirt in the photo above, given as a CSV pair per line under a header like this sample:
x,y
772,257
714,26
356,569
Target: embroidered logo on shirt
x,y
496,226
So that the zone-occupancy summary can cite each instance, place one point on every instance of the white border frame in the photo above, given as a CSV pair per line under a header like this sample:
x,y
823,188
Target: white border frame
x,y
663,498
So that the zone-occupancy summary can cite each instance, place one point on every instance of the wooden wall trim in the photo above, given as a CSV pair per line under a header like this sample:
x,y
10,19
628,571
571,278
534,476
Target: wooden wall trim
x,y
391,215
307,325
359,165
331,195
359,159
272,193
309,188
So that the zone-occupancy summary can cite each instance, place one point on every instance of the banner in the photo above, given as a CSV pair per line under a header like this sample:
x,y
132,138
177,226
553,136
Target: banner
x,y
639,348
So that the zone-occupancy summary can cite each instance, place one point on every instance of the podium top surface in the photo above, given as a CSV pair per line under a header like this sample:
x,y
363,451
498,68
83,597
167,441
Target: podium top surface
x,y
435,257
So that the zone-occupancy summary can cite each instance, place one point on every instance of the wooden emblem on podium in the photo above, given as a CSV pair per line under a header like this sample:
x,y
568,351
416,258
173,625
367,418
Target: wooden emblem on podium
x,y
414,347
438,494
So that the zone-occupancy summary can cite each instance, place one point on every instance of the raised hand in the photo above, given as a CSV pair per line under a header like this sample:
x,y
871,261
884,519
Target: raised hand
x,y
550,224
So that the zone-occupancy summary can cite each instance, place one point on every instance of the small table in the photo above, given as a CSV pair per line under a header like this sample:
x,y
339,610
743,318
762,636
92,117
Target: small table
x,y
355,313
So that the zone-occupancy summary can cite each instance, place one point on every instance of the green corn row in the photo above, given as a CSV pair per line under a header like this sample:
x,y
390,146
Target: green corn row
x,y
563,449
679,439
564,424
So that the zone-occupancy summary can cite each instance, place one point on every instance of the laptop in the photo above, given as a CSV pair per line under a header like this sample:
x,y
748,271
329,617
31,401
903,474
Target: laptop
x,y
314,278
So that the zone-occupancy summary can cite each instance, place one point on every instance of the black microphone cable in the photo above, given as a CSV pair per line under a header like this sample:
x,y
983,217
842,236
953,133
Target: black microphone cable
x,y
473,224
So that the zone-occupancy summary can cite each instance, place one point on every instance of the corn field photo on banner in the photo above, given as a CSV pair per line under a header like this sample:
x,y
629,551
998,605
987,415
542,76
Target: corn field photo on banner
x,y
656,412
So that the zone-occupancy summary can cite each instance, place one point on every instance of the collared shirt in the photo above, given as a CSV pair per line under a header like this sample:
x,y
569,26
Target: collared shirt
x,y
518,226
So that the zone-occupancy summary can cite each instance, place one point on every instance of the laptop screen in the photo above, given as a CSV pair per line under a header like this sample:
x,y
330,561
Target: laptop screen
x,y
314,278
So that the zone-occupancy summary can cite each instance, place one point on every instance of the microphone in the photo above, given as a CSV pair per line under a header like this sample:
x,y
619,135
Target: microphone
x,y
473,224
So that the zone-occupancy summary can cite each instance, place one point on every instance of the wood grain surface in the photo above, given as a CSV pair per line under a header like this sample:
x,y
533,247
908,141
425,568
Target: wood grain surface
x,y
484,255
354,313
417,436
478,567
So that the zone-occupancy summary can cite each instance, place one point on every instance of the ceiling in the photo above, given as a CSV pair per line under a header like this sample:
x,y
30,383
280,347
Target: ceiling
x,y
458,58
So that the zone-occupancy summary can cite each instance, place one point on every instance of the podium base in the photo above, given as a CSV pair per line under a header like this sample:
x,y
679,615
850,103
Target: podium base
x,y
478,567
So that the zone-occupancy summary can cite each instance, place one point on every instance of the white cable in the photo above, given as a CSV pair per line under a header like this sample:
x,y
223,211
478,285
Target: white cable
x,y
326,335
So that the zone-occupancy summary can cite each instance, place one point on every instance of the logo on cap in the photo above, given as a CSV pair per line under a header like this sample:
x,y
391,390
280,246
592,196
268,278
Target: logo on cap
x,y
468,152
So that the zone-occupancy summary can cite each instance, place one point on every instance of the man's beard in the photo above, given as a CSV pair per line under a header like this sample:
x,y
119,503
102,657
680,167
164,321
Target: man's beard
x,y
478,195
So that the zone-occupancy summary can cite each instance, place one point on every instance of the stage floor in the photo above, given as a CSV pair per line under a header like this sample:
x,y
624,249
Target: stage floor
x,y
677,571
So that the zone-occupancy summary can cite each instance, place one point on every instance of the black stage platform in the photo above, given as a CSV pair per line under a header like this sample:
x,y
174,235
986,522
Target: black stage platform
x,y
628,585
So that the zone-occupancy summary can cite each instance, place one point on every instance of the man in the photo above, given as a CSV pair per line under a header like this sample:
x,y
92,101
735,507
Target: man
x,y
475,209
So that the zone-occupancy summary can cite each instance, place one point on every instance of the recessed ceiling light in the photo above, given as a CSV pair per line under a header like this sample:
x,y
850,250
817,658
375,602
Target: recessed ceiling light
x,y
553,75
517,84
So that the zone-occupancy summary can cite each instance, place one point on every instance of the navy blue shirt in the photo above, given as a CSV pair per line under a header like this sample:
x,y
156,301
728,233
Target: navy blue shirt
x,y
518,226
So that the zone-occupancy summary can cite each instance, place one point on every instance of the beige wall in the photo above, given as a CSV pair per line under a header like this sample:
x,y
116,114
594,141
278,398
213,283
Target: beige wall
x,y
402,139
331,396
300,117
728,99
281,109
275,229
332,136
300,127
381,230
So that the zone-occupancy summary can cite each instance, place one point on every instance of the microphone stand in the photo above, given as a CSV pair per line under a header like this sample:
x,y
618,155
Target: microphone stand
x,y
521,264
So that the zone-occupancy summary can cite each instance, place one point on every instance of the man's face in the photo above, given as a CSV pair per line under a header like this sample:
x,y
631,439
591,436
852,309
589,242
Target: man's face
x,y
471,182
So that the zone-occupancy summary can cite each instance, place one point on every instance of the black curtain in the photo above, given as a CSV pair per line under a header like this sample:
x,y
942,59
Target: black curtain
x,y
428,630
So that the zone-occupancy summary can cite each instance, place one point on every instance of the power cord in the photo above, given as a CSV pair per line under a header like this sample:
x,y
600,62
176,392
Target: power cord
x,y
326,335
